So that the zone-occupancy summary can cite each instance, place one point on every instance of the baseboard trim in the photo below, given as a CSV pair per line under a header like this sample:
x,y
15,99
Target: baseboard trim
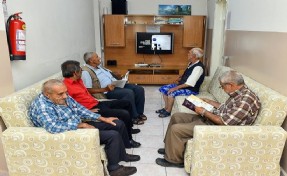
x,y
4,173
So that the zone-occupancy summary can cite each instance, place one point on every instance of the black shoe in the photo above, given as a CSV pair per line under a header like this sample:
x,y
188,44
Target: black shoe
x,y
134,144
161,151
135,131
165,163
131,158
123,171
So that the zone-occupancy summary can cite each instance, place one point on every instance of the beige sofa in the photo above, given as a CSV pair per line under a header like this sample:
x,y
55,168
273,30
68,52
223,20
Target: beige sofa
x,y
33,151
237,150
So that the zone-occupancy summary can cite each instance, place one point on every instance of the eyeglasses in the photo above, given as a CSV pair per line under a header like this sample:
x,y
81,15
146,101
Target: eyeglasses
x,y
222,85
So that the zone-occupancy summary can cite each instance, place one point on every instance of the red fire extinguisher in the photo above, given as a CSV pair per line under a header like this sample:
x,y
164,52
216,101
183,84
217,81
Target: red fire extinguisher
x,y
16,37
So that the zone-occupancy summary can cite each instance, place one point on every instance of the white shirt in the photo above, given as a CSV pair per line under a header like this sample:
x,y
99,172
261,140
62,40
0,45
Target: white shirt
x,y
194,76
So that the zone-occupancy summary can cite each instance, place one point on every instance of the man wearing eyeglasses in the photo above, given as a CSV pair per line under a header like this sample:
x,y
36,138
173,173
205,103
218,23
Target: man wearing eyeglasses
x,y
241,108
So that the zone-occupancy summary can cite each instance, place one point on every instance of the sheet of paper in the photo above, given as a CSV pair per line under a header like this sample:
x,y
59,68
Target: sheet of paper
x,y
119,83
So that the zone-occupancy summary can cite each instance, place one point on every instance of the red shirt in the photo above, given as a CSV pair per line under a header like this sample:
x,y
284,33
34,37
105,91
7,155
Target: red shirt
x,y
79,92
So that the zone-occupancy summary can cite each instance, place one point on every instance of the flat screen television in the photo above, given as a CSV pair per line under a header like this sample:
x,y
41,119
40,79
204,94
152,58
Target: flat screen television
x,y
154,43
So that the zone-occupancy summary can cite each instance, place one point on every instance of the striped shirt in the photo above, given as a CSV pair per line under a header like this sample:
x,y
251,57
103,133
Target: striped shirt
x,y
58,118
241,108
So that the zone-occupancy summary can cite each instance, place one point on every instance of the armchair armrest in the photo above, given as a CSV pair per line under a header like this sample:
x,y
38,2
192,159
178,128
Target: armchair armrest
x,y
33,151
237,150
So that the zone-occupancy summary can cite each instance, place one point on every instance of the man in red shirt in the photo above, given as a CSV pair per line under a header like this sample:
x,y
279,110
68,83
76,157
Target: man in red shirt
x,y
121,109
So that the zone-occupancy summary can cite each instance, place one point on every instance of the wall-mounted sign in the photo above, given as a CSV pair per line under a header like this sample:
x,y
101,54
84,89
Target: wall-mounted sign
x,y
174,9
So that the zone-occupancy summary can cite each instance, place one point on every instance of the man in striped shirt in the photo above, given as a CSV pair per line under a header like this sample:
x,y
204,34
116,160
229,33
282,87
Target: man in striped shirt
x,y
241,108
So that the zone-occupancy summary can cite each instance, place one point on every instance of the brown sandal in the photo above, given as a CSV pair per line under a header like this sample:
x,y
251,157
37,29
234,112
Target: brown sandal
x,y
143,117
138,122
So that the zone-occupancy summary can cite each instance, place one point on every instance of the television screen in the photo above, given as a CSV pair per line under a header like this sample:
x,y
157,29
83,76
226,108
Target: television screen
x,y
154,43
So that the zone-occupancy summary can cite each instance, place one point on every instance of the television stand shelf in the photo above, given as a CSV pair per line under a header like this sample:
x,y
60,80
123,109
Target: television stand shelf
x,y
150,75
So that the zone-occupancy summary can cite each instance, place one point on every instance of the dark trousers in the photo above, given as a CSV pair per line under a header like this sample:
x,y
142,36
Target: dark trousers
x,y
111,136
134,94
120,109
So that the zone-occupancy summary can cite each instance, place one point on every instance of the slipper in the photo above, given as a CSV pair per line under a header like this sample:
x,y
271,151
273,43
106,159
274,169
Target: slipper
x,y
160,111
164,114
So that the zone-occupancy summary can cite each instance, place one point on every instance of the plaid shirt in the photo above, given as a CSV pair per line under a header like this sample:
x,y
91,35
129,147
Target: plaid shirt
x,y
241,108
58,118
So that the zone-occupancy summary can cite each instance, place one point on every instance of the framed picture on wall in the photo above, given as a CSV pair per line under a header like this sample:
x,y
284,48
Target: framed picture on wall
x,y
174,9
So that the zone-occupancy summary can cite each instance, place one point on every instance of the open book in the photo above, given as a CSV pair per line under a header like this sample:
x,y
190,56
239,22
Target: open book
x,y
192,101
121,83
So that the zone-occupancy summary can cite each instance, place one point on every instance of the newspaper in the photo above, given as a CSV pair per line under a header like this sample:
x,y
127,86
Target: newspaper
x,y
126,77
121,83
192,101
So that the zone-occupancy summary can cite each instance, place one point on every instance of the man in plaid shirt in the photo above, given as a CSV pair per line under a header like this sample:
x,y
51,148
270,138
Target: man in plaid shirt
x,y
57,112
241,108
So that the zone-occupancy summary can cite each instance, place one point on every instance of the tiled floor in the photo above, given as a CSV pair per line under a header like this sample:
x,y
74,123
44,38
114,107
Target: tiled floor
x,y
151,138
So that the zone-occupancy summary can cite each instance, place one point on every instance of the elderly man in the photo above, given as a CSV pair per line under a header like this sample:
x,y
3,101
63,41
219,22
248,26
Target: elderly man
x,y
186,84
57,112
72,72
93,74
241,108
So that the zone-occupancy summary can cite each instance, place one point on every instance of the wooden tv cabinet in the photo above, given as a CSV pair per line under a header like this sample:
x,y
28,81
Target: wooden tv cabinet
x,y
120,45
150,75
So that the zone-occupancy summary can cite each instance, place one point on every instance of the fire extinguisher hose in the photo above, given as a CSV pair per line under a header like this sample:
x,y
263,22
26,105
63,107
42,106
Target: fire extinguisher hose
x,y
7,33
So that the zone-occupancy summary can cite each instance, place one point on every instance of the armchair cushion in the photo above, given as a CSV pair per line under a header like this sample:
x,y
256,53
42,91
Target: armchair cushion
x,y
236,150
33,151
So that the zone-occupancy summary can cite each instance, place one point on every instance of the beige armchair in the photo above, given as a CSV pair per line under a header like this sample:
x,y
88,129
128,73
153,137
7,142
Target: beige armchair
x,y
244,150
33,151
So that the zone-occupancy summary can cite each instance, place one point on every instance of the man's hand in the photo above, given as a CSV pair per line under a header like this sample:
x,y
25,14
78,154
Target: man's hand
x,y
95,110
199,110
85,125
110,87
108,120
171,90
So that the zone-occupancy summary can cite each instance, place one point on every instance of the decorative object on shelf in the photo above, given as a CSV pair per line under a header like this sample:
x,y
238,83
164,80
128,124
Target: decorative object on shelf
x,y
174,9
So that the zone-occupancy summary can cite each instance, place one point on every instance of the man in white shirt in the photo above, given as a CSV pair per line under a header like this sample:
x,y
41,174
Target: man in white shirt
x,y
187,84
94,74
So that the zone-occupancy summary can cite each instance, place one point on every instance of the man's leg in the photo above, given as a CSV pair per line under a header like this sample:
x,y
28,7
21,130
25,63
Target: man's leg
x,y
124,94
175,143
170,101
120,128
114,148
117,108
179,117
139,95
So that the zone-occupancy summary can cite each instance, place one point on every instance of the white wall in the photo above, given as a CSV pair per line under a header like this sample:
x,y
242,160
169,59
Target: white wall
x,y
56,31
198,7
258,15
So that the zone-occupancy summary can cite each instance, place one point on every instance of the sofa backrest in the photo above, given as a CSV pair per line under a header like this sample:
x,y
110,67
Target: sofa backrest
x,y
273,104
14,107
214,86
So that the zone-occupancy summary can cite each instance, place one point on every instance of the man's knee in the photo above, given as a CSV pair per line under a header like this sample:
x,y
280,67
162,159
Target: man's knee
x,y
175,128
175,116
119,124
140,90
